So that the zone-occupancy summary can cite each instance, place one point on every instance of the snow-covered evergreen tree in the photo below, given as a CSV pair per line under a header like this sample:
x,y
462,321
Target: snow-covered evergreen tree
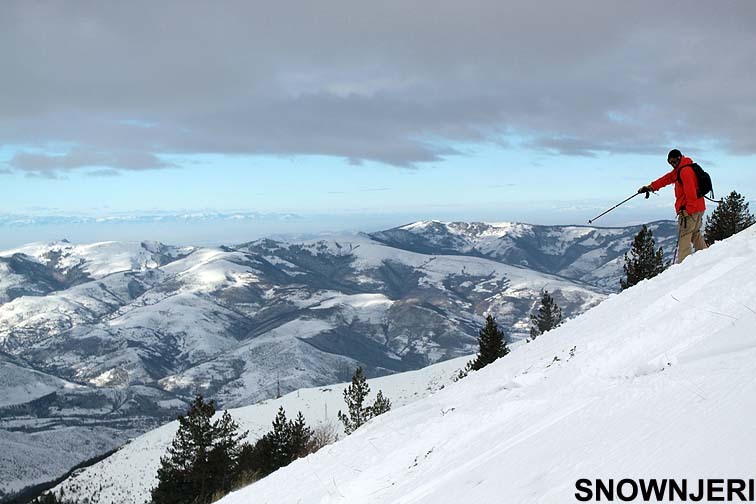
x,y
730,217
548,316
645,260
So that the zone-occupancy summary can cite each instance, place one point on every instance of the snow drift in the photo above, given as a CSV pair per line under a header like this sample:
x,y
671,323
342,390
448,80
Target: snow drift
x,y
657,382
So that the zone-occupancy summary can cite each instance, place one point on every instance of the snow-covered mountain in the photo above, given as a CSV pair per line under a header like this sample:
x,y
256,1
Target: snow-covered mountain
x,y
583,253
223,320
658,382
117,336
40,269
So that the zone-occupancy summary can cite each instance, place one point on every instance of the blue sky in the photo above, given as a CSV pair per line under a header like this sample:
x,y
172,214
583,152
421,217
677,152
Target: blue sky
x,y
482,180
493,111
330,194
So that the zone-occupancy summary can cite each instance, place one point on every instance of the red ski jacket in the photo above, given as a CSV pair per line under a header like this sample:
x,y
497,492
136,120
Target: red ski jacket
x,y
686,193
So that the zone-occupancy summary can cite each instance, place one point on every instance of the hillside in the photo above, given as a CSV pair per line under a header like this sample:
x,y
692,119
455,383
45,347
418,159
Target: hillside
x,y
657,382
127,476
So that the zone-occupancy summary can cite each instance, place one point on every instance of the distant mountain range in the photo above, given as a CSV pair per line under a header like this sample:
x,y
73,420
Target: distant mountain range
x,y
15,220
590,255
99,342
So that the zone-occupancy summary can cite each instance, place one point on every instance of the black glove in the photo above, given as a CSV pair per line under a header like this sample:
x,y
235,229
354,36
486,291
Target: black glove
x,y
645,189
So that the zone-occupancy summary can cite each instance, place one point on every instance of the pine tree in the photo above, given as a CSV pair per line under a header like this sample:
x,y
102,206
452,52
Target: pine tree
x,y
256,460
381,405
301,435
549,316
645,260
354,396
202,458
287,441
492,345
177,481
223,459
731,216
280,441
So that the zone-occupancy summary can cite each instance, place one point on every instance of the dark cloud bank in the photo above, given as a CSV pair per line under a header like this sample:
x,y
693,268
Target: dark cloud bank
x,y
119,85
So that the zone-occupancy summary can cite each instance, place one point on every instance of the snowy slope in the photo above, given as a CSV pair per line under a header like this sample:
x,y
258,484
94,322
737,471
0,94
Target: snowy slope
x,y
127,475
657,382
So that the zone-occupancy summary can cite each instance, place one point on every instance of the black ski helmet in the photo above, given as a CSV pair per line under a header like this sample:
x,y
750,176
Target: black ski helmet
x,y
674,154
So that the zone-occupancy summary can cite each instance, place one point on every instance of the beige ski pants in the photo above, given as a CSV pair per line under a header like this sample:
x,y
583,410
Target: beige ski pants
x,y
689,232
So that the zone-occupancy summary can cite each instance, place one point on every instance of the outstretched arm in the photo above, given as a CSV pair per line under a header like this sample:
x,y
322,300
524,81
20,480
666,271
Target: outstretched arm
x,y
663,181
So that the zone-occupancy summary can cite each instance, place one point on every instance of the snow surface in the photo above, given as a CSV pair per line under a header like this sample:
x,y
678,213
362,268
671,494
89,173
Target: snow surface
x,y
127,475
656,382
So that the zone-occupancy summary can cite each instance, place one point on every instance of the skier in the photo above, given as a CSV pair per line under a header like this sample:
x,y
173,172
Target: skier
x,y
689,207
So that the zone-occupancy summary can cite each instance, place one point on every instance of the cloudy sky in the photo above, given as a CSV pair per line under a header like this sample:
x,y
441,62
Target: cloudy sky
x,y
355,114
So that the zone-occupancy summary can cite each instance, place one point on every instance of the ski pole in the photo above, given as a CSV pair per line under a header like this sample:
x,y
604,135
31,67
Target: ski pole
x,y
615,206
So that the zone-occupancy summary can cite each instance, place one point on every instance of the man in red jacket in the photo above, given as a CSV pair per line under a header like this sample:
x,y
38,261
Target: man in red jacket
x,y
689,207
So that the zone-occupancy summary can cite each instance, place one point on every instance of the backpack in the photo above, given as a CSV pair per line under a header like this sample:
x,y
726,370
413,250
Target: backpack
x,y
704,180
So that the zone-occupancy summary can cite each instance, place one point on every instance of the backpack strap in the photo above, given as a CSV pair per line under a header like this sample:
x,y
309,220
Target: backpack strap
x,y
679,170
